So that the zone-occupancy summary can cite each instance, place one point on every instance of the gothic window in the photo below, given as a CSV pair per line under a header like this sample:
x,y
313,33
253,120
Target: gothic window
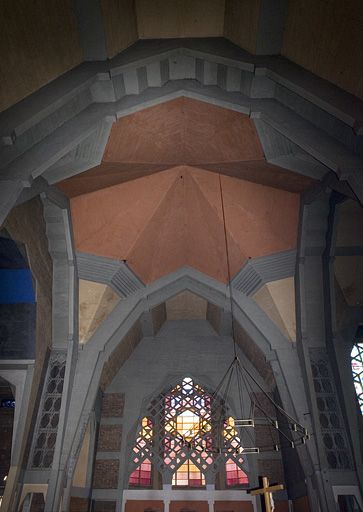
x,y
184,434
357,370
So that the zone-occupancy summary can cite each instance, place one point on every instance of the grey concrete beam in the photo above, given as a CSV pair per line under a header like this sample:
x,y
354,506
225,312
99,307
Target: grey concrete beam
x,y
281,151
85,155
312,140
258,271
96,268
114,273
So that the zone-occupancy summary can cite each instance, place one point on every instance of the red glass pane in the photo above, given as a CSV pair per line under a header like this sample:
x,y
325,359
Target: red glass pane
x,y
141,476
235,475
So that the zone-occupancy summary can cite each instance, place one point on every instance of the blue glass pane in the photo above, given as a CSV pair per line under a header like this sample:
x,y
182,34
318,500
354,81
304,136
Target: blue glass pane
x,y
16,286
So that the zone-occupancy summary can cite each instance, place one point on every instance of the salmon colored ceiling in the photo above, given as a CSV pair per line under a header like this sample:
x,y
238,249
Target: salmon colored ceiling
x,y
183,132
172,219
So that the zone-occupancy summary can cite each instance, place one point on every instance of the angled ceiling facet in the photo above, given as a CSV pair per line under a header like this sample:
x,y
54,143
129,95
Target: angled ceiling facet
x,y
183,131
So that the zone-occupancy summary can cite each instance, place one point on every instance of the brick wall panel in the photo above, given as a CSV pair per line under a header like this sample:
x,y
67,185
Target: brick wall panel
x,y
79,504
109,439
106,474
113,405
104,506
273,469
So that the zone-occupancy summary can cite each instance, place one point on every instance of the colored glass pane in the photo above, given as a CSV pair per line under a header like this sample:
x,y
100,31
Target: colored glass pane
x,y
230,434
141,476
188,475
188,424
235,475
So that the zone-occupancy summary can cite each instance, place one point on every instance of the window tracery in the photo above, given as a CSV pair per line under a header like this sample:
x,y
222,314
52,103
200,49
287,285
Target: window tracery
x,y
357,371
184,434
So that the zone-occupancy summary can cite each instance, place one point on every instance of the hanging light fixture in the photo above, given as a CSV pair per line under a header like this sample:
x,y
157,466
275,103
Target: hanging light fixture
x,y
282,426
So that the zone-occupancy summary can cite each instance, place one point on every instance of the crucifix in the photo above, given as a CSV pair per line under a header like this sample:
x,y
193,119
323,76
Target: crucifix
x,y
266,490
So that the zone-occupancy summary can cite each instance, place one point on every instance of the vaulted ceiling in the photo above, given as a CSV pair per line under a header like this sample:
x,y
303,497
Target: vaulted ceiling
x,y
175,216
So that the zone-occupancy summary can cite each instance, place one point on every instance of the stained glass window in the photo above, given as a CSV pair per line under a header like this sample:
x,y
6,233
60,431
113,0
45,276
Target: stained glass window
x,y
185,435
357,370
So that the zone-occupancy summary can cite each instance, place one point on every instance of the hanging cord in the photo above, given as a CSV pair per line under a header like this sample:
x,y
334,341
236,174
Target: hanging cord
x,y
228,266
235,364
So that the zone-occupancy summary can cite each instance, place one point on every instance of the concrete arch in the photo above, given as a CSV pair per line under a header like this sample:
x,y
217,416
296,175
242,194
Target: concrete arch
x,y
276,348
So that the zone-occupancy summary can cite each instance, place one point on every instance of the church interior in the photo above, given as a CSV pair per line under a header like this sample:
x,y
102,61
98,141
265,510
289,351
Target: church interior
x,y
181,256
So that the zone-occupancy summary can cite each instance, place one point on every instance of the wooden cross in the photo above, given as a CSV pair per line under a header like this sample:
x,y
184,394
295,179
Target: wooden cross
x,y
266,491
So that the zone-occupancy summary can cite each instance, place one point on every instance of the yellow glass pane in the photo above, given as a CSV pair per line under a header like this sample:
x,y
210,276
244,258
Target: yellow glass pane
x,y
187,424
188,475
146,428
